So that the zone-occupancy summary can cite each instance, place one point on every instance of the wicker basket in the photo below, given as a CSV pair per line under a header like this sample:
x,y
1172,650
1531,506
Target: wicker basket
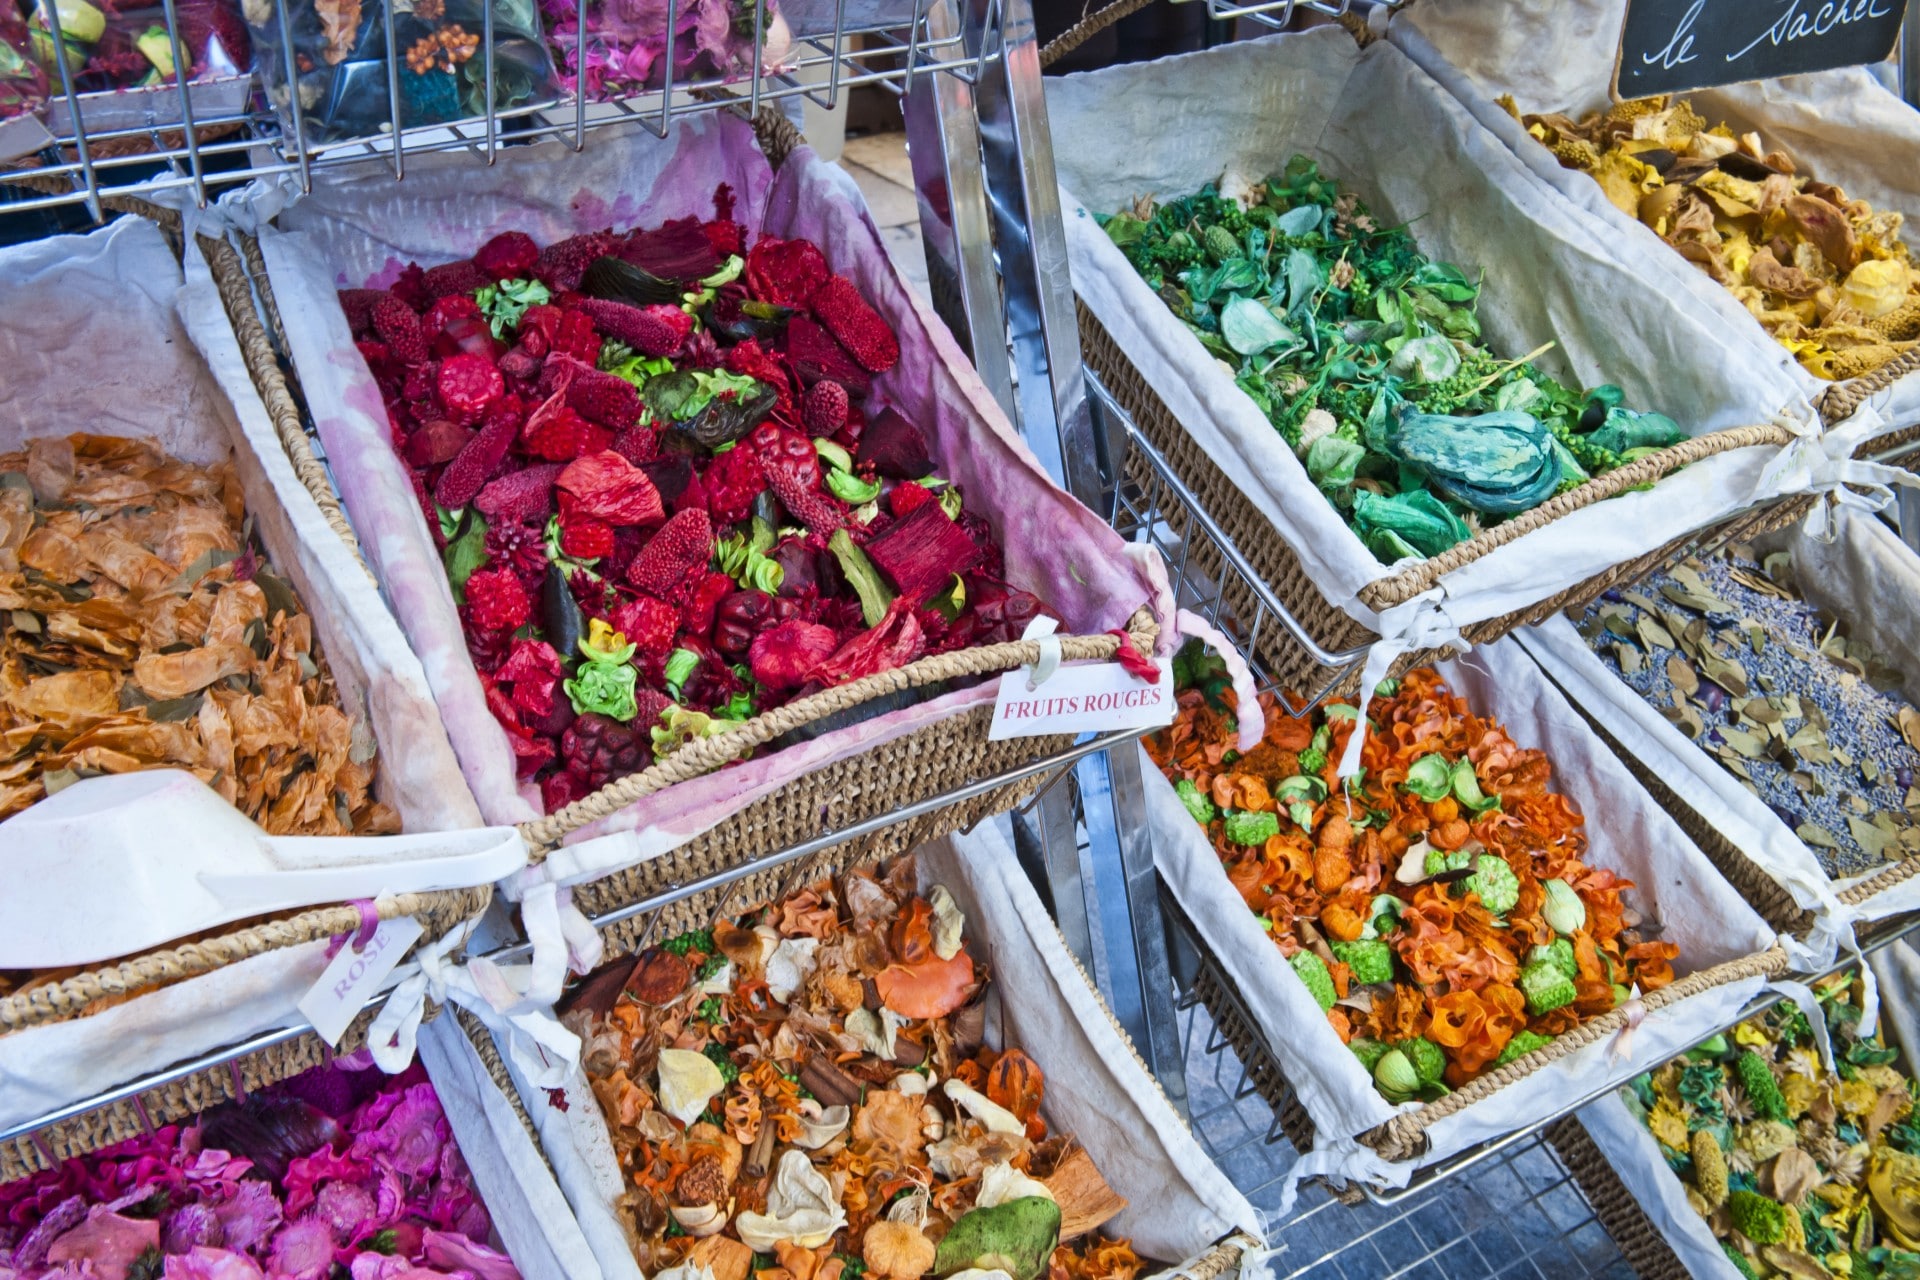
x,y
1280,568
94,987
907,772
1613,1204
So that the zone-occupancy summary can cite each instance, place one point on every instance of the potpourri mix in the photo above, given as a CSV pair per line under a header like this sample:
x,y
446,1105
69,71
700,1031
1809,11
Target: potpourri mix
x,y
1827,275
667,495
625,50
1440,910
1366,356
23,81
336,1174
806,1093
1799,1171
1809,720
147,629
113,45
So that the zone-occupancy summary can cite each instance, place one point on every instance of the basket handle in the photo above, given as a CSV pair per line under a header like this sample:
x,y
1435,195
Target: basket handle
x,y
704,755
1396,589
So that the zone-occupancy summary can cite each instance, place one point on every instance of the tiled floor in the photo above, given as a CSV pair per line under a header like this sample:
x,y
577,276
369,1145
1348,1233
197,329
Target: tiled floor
x,y
878,162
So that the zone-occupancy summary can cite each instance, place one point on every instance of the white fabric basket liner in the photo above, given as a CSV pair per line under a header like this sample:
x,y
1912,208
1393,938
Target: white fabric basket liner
x,y
1627,833
1384,129
1097,1089
1636,1158
361,225
1843,126
1867,577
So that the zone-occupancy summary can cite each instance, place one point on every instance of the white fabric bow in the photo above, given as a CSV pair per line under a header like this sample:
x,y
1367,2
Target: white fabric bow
x,y
1822,464
1420,623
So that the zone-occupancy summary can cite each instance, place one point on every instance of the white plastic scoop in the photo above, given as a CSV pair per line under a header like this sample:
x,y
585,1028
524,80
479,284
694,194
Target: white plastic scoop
x,y
126,862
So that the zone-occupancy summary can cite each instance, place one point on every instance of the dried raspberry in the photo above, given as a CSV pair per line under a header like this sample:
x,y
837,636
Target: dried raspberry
x,y
468,386
732,482
697,618
563,435
825,409
519,496
648,623
453,280
813,354
374,353
637,444
561,264
667,564
496,601
598,397
907,497
785,272
856,325
461,482
457,306
581,536
359,304
508,256
399,328
657,330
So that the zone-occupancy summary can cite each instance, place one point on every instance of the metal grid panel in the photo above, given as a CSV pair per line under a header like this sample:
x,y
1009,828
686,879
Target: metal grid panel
x,y
1521,1216
197,153
1277,14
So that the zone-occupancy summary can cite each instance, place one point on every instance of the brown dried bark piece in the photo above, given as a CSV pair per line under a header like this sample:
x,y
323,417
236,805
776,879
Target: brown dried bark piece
x,y
1086,1201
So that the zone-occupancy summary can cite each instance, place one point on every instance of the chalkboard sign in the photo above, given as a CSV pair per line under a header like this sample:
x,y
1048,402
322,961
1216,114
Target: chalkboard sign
x,y
1668,46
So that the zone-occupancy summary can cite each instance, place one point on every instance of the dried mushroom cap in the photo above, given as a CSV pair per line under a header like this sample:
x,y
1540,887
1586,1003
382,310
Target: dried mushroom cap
x,y
897,1250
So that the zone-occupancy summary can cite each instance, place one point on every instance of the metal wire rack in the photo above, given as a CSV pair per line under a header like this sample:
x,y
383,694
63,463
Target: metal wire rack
x,y
190,146
1277,14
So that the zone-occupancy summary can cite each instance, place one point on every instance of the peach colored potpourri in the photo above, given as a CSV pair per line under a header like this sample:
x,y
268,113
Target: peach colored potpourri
x,y
144,630
811,1082
1442,914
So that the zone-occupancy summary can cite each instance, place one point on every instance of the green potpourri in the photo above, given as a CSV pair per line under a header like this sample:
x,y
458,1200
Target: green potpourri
x,y
1366,356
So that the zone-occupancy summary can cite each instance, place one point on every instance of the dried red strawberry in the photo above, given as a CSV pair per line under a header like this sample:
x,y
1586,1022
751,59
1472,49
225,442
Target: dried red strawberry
x,y
399,328
599,397
782,656
814,354
470,470
468,386
648,623
508,256
667,565
455,279
436,441
857,326
907,497
519,496
733,480
496,601
657,330
792,467
825,409
561,265
637,444
785,272
563,435
359,304
607,487
697,618
922,552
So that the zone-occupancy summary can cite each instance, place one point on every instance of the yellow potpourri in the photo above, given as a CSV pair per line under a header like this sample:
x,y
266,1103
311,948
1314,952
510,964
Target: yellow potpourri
x,y
1828,276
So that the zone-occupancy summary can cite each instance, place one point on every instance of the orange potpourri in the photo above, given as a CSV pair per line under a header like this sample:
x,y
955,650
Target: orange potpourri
x,y
144,631
1440,910
806,1093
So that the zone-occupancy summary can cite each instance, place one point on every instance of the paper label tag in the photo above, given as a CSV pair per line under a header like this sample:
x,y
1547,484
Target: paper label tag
x,y
1094,698
352,977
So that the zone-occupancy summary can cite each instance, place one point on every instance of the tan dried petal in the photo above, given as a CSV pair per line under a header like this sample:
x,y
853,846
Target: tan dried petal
x,y
71,698
173,675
